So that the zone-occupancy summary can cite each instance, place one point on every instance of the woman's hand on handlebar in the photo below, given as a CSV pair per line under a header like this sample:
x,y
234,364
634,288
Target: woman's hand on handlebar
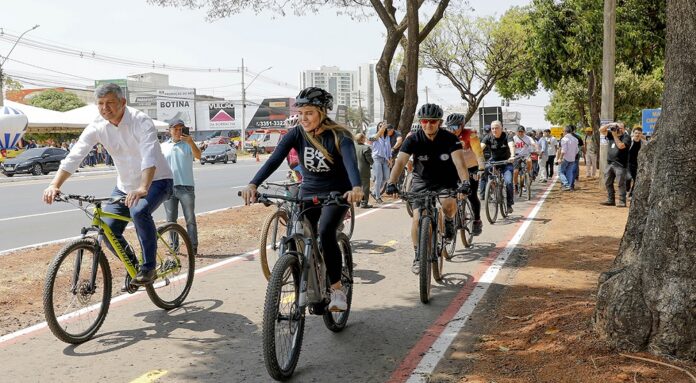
x,y
355,195
249,194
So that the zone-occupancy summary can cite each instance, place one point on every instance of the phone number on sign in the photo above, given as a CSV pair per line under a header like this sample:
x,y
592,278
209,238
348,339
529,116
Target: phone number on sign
x,y
270,123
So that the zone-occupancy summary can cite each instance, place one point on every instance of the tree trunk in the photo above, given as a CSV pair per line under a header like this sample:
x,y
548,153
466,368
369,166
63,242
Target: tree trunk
x,y
648,300
412,52
392,100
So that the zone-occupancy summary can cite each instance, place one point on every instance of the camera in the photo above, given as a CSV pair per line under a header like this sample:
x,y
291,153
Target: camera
x,y
613,127
185,131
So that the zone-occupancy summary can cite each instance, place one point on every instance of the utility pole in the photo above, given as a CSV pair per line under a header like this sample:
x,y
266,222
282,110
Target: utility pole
x,y
608,68
2,77
243,124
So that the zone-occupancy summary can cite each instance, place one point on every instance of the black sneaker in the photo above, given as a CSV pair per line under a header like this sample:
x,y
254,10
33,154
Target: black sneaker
x,y
478,228
608,202
510,210
144,277
449,228
621,204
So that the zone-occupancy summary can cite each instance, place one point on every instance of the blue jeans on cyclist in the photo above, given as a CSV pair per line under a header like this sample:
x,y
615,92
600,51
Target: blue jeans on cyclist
x,y
187,196
141,213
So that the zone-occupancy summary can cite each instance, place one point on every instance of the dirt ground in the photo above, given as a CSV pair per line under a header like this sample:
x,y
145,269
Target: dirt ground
x,y
539,329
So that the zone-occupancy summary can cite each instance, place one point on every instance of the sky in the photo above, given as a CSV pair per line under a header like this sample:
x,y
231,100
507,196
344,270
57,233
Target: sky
x,y
135,30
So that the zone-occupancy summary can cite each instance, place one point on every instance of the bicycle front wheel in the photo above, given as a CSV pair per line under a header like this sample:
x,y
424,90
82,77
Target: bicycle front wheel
x,y
175,268
425,256
283,319
502,199
449,246
74,306
528,184
349,222
466,216
336,321
491,201
273,229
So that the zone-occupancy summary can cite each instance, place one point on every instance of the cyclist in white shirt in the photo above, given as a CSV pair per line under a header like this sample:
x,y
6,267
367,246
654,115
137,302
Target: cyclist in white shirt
x,y
524,146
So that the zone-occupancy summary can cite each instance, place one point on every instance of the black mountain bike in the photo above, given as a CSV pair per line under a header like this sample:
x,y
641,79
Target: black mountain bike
x,y
495,197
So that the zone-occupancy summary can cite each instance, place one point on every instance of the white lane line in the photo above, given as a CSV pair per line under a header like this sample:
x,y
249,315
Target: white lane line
x,y
36,215
422,372
123,297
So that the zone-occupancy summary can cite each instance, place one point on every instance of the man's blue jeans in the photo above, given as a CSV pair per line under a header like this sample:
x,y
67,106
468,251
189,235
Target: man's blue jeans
x,y
187,196
141,213
380,168
566,172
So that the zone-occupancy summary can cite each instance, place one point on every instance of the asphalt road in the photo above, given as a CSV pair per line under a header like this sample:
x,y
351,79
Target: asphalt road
x,y
26,220
215,336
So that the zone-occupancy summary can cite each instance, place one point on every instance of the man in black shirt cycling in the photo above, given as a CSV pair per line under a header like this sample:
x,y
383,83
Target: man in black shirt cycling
x,y
328,160
438,163
502,149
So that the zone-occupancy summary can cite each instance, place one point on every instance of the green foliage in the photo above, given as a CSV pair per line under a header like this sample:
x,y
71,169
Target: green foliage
x,y
11,84
55,100
566,103
357,119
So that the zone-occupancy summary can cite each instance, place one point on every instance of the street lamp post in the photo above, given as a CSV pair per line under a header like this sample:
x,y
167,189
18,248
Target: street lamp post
x,y
244,88
2,77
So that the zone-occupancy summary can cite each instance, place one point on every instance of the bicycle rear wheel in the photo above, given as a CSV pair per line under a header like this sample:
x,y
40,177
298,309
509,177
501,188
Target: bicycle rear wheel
x,y
520,184
283,319
528,184
273,229
502,199
466,217
491,201
75,308
175,267
425,255
336,321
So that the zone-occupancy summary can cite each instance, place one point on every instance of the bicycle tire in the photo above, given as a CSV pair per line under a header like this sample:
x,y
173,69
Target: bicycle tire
x,y
451,247
491,201
179,285
425,251
438,257
528,183
467,224
336,322
274,222
349,224
520,184
53,273
408,181
502,199
288,266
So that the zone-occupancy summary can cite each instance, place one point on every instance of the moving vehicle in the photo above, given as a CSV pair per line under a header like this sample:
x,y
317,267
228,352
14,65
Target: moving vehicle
x,y
266,140
36,161
219,153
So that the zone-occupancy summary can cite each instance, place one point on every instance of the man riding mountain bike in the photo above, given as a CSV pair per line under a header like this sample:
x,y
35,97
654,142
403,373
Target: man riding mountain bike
x,y
524,146
438,164
473,157
502,148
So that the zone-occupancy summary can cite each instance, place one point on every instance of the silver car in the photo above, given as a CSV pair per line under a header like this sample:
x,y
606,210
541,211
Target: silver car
x,y
219,153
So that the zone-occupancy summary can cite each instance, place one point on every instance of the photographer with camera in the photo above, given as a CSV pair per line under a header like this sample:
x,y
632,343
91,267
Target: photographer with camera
x,y
180,152
617,161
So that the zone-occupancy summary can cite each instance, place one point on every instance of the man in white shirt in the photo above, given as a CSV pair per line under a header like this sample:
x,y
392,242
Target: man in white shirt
x,y
551,149
567,157
143,174
524,146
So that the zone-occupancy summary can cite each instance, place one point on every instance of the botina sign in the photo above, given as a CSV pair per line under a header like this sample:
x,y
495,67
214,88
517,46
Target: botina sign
x,y
176,103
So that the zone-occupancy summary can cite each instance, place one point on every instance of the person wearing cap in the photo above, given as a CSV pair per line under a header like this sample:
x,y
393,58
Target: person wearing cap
x,y
524,146
473,158
180,152
144,179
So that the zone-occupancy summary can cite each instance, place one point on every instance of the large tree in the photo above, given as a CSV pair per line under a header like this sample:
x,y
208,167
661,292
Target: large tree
x,y
481,54
403,28
55,100
648,300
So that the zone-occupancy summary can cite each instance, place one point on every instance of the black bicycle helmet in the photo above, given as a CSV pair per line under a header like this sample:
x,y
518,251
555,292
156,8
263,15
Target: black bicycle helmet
x,y
432,111
455,119
314,96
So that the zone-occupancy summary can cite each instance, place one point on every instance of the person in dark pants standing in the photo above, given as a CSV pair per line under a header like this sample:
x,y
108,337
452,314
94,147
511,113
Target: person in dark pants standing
x,y
637,141
617,162
364,155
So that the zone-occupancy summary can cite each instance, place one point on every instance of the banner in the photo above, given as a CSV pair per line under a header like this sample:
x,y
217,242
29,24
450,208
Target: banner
x,y
176,103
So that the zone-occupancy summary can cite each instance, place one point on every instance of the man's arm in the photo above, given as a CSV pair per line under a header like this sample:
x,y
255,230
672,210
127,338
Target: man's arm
x,y
399,166
511,145
399,141
194,148
460,164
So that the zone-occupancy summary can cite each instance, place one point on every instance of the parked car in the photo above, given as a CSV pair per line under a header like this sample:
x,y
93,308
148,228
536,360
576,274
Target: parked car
x,y
219,153
34,161
266,141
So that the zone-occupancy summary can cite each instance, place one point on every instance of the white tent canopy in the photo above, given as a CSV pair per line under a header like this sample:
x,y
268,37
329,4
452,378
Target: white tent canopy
x,y
89,113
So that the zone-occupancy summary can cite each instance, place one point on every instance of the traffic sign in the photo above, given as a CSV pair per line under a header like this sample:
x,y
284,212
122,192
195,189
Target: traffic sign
x,y
650,117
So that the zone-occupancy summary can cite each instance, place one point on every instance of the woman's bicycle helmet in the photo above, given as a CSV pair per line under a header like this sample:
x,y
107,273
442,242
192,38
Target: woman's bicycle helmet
x,y
315,97
432,111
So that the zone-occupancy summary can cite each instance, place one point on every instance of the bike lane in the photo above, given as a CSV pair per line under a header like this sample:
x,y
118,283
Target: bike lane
x,y
215,335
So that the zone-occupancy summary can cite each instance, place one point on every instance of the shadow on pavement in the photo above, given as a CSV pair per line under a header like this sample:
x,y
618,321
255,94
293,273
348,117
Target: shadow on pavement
x,y
366,246
477,251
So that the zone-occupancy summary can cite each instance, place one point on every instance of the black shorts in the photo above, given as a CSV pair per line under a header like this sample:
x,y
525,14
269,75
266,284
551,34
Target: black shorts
x,y
419,185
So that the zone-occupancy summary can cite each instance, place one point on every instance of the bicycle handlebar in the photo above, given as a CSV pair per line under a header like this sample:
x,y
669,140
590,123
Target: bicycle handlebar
x,y
333,198
429,193
88,198
285,185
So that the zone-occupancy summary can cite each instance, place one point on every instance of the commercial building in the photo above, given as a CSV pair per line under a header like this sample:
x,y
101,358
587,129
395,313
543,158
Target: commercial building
x,y
340,83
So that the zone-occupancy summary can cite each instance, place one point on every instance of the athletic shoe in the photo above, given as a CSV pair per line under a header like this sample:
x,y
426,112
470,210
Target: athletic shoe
x,y
415,267
144,277
608,202
478,228
338,301
510,210
621,204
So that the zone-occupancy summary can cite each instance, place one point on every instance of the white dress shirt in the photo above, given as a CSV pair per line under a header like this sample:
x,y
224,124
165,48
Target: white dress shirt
x,y
132,144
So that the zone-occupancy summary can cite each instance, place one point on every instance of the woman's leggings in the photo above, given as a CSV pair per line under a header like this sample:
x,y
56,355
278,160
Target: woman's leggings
x,y
473,195
328,218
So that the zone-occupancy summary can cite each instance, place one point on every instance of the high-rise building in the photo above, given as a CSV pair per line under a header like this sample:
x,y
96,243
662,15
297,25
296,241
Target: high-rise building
x,y
340,83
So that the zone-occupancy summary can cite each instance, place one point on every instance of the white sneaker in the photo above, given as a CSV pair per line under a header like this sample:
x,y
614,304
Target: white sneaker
x,y
338,301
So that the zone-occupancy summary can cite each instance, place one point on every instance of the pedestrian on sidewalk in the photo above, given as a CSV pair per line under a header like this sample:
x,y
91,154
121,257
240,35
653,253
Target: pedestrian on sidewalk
x,y
543,157
551,148
381,155
180,152
568,157
364,155
637,142
617,162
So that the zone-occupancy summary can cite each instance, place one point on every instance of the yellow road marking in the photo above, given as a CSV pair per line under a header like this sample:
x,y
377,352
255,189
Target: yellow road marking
x,y
150,376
